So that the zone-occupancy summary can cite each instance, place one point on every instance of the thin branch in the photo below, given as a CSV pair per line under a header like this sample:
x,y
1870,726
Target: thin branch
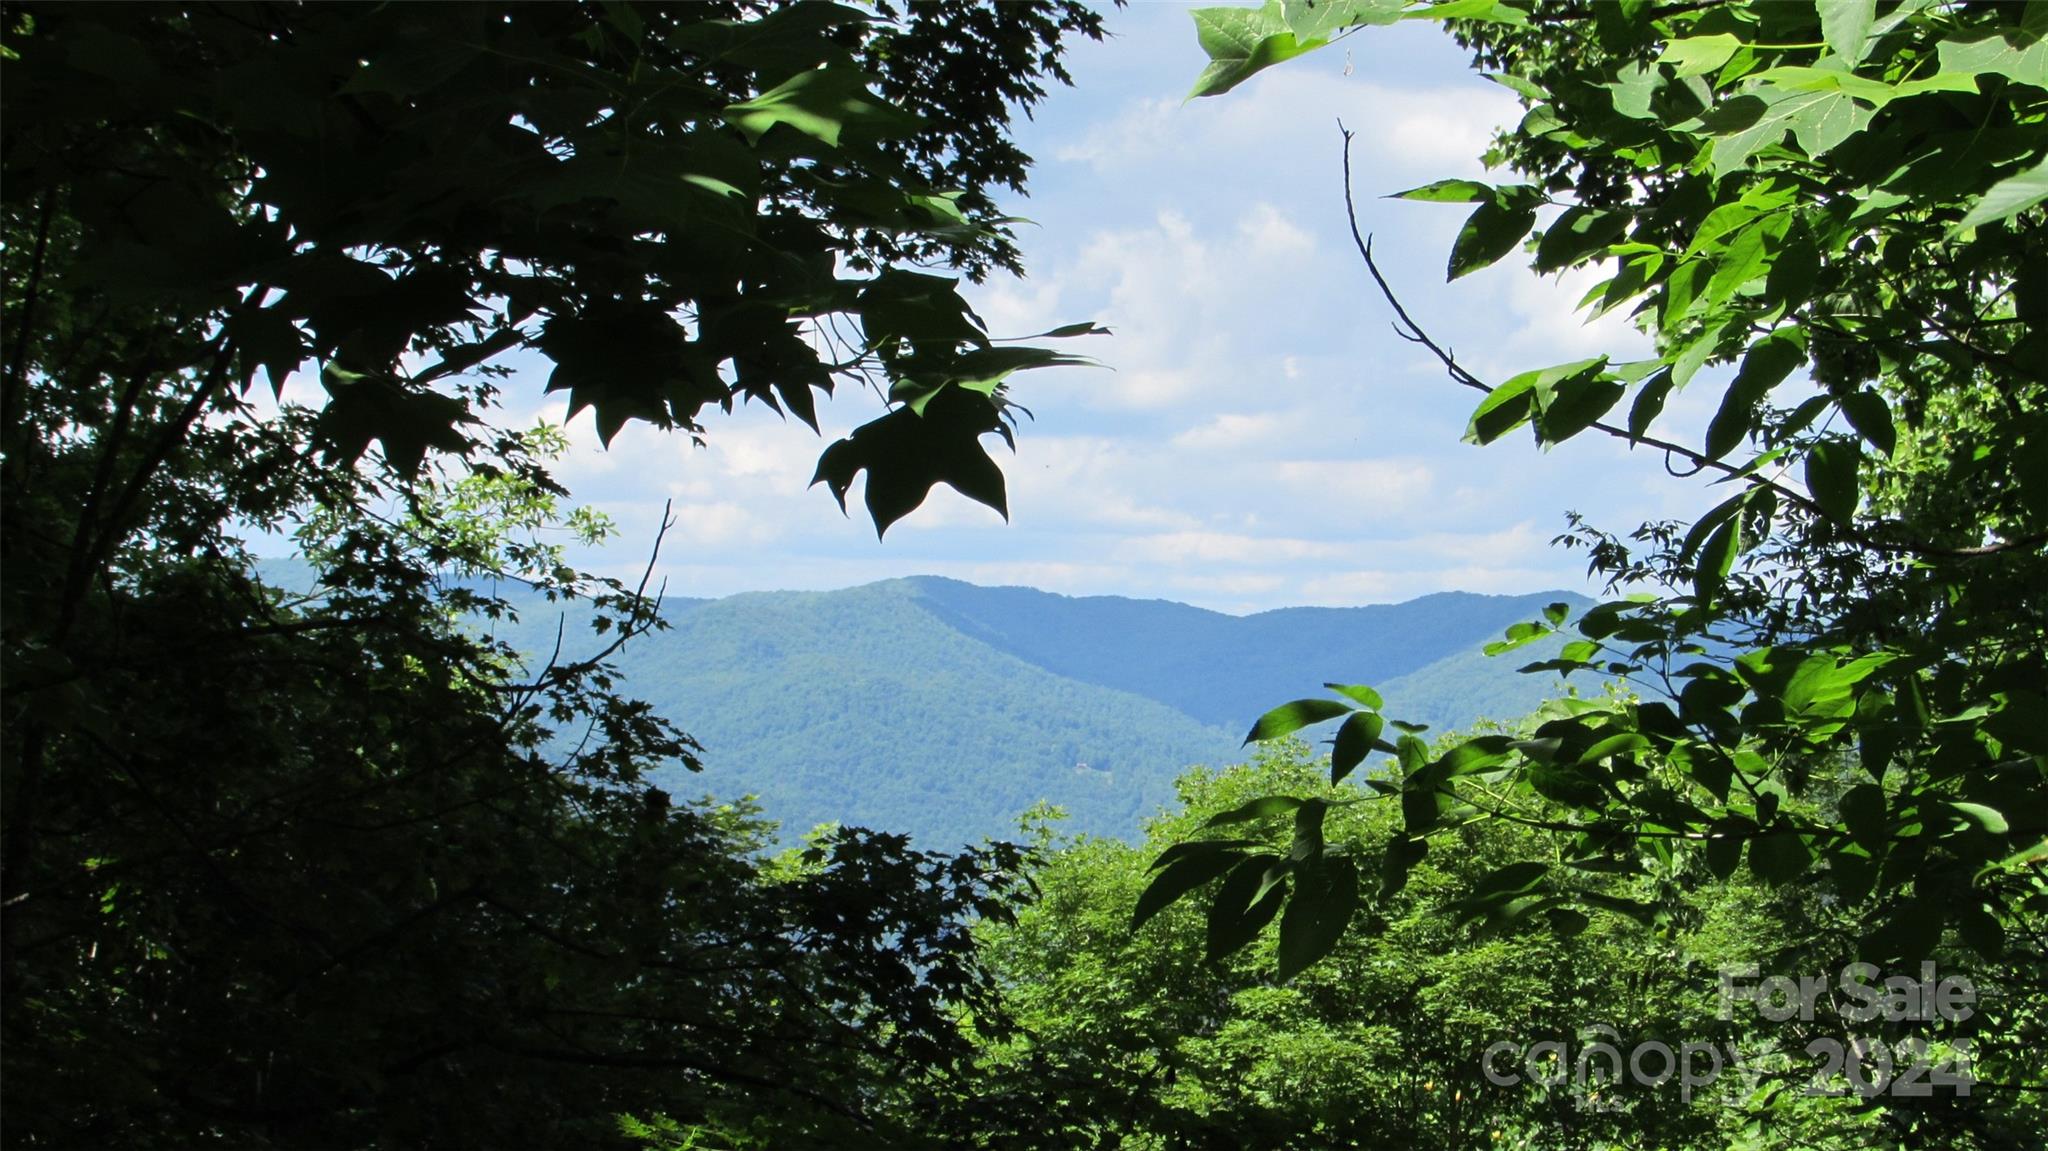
x,y
17,364
1415,334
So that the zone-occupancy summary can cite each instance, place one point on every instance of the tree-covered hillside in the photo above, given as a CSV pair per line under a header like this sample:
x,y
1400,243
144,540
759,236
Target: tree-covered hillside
x,y
1225,669
945,709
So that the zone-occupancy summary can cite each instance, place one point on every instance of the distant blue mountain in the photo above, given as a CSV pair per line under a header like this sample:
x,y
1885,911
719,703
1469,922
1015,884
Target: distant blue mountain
x,y
945,709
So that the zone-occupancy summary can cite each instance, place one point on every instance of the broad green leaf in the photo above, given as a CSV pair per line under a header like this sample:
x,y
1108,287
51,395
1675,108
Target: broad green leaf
x,y
1749,123
1241,42
1322,20
1555,614
1512,403
1779,854
1483,11
1308,831
1571,784
1519,86
1182,877
906,453
1764,367
1492,231
2018,54
1195,847
1699,55
1987,818
1259,808
1325,896
1504,409
821,104
1289,718
1717,558
1568,922
1448,192
1862,809
1402,854
1632,91
1649,403
1748,256
1576,404
1518,635
2008,198
1831,477
1625,743
1512,879
1845,25
2027,858
1481,753
1422,810
1238,912
1354,741
1578,234
1724,850
1871,416
1359,692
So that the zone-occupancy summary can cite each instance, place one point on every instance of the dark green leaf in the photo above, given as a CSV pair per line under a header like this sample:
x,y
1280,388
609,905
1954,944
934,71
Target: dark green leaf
x,y
1649,404
1717,559
1492,231
1359,692
1872,418
1181,877
1831,476
1513,879
905,454
1325,895
1862,810
1402,854
1764,367
821,104
1259,808
1239,913
1567,922
1578,234
1289,718
1194,847
1987,818
1779,854
1355,739
1449,192
1575,405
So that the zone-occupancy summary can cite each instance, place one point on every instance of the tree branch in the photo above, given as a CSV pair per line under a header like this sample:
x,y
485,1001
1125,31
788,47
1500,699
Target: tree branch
x,y
1409,330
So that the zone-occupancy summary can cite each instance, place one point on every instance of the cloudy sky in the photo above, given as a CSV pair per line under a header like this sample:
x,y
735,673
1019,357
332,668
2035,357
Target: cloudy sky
x,y
1259,438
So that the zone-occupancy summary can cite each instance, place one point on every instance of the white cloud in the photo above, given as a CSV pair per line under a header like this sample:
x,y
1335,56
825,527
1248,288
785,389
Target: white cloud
x,y
1232,430
1220,547
1386,485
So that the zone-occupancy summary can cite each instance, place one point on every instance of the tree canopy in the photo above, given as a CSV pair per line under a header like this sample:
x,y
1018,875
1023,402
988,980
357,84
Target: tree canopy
x,y
1838,673
324,866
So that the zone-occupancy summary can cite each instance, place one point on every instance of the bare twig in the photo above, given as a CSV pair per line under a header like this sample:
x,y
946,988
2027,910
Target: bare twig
x,y
1409,330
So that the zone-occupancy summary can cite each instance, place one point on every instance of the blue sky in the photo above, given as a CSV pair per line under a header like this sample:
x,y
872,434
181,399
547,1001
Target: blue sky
x,y
1260,438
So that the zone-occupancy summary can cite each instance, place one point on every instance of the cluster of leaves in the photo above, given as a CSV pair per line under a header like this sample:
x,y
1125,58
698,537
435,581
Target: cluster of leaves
x,y
1149,1039
325,867
658,201
1837,188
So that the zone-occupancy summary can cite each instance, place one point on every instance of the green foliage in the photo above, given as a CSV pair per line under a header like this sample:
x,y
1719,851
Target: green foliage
x,y
941,709
1140,1038
321,866
1840,201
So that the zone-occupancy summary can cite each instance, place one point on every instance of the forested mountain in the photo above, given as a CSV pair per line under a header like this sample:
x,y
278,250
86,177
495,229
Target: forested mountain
x,y
945,709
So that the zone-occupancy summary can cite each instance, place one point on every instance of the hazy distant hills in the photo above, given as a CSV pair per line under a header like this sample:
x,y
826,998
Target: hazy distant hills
x,y
945,709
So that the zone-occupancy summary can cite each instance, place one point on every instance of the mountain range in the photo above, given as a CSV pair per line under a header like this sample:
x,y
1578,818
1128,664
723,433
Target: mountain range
x,y
945,710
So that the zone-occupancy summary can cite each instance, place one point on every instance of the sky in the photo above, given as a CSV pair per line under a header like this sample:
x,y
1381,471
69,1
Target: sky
x,y
1258,436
